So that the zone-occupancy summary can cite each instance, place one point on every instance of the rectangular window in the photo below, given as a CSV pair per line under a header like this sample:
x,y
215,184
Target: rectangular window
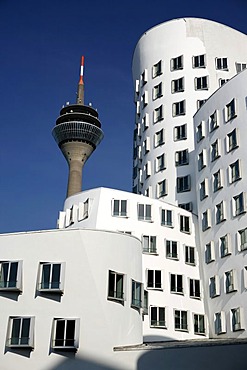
x,y
144,212
243,239
177,63
200,131
146,145
184,224
215,150
199,61
159,138
240,67
230,281
119,207
232,140
187,206
160,163
230,110
214,286
201,83
213,121
162,188
154,279
199,324
116,286
183,184
158,114
145,303
204,189
51,277
199,103
145,121
180,132
65,334
144,99
181,321
178,85
144,77
166,217
206,222
237,322
209,252
157,91
195,290
157,69
176,283
20,332
239,204
11,275
182,157
220,322
157,317
217,182
147,169
149,244
234,171
222,81
136,300
225,247
221,63
190,255
171,249
201,160
220,213
178,108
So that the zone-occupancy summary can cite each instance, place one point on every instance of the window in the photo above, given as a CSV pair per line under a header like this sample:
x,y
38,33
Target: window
x,y
166,217
222,81
234,171
201,83
177,63
83,211
157,69
239,204
119,208
147,169
206,221
180,132
116,286
65,334
232,140
157,317
225,247
178,85
178,108
154,279
138,108
51,277
240,67
215,152
20,332
160,163
181,322
200,131
199,103
11,275
145,121
230,110
159,138
201,160
137,88
199,324
195,290
158,114
187,206
204,189
145,303
243,239
214,286
221,63
245,277
176,283
209,252
184,224
144,99
230,281
162,188
144,77
190,255
217,183
182,157
237,323
199,61
220,322
220,214
148,191
144,212
136,300
149,244
146,145
183,184
213,121
171,249
157,91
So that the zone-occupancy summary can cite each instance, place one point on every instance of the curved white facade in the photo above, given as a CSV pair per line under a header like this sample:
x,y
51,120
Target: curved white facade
x,y
176,66
221,189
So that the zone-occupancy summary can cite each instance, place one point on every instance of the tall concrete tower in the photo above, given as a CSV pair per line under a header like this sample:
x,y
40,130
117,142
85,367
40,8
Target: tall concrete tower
x,y
77,133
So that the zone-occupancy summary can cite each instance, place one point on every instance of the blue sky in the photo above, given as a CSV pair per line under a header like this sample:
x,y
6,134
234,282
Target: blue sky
x,y
41,44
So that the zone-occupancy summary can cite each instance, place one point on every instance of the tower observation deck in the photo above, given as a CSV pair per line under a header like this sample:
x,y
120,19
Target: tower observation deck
x,y
77,133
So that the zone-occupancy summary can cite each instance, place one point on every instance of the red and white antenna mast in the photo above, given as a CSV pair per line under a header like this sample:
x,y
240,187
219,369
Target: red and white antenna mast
x,y
80,91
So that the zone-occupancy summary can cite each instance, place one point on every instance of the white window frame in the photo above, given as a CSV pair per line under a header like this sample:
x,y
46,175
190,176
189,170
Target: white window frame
x,y
220,212
204,190
220,322
179,108
51,285
149,244
157,69
190,255
200,131
157,91
159,138
176,283
65,343
144,77
231,110
157,279
180,132
166,217
235,171
217,181
162,188
182,157
194,292
215,150
147,212
221,64
120,208
145,121
199,61
158,114
147,169
230,281
21,341
156,316
171,249
199,324
117,294
201,160
185,224
214,286
237,319
144,99
202,83
84,208
137,294
160,163
242,237
239,204
177,63
232,140
183,184
6,273
180,320
146,145
225,245
206,220
177,85
209,252
213,121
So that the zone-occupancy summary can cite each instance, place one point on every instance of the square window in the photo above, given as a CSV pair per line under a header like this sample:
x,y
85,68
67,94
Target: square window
x,y
183,184
65,334
144,212
199,324
199,103
51,277
149,244
199,61
187,206
201,83
157,91
166,217
176,283
195,290
180,132
221,63
172,249
178,108
116,286
180,320
240,67
119,207
178,85
154,279
177,63
182,157
184,224
157,69
190,255
11,275
136,300
20,332
157,317
222,81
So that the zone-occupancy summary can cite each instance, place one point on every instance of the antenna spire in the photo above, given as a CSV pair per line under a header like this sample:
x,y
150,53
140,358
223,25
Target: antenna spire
x,y
80,91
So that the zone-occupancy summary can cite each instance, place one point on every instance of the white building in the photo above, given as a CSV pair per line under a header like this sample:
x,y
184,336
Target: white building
x,y
124,268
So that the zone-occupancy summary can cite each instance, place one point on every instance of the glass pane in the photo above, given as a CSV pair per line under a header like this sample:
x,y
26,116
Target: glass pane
x,y
116,208
119,286
59,336
55,278
25,331
15,331
111,284
123,208
148,212
150,278
141,211
153,315
45,279
157,279
162,316
13,274
4,275
70,333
